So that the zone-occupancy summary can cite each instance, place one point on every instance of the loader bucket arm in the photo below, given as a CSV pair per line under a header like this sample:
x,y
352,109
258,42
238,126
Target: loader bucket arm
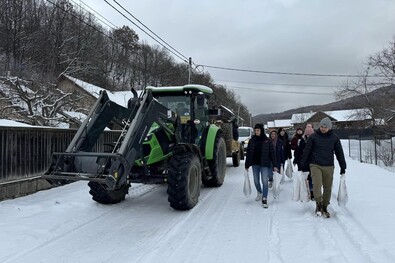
x,y
110,169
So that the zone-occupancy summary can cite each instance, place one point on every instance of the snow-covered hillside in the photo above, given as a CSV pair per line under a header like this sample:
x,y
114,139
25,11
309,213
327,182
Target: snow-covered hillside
x,y
65,225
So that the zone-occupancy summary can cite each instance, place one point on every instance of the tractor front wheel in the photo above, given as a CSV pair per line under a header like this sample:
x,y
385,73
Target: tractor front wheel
x,y
184,180
104,196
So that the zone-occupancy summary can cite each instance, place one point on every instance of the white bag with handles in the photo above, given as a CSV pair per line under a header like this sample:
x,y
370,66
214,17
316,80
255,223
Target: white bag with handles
x,y
289,169
276,184
247,185
342,194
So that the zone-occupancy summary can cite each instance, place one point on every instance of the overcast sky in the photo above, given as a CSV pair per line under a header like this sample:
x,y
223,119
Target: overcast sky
x,y
290,36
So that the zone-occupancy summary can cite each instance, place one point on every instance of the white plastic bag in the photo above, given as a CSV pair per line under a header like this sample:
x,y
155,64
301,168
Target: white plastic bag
x,y
342,194
303,192
296,188
289,169
282,174
276,184
247,185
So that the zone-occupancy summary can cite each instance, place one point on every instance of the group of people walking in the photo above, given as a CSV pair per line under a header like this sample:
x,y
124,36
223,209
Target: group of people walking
x,y
314,152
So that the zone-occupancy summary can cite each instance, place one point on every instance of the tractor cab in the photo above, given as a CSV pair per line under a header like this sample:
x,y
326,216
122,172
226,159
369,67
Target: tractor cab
x,y
190,104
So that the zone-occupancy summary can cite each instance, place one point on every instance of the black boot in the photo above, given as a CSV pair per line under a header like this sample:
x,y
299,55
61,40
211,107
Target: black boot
x,y
325,212
311,196
318,209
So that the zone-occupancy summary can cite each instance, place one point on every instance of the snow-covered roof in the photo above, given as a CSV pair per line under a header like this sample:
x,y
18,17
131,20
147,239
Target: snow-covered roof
x,y
10,123
301,117
338,115
279,123
119,97
282,123
349,115
76,115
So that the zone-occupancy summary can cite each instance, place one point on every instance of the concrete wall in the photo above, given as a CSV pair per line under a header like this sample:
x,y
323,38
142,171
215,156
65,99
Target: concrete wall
x,y
18,188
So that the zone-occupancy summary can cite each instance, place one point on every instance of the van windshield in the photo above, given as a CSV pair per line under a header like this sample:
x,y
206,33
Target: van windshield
x,y
244,132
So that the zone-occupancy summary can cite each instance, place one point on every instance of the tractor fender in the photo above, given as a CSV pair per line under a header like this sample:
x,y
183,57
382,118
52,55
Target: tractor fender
x,y
213,130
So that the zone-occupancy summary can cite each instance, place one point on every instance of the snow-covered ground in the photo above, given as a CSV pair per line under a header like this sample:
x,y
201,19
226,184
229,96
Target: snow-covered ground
x,y
65,225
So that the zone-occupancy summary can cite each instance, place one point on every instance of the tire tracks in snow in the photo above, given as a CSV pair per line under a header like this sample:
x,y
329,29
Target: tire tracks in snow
x,y
170,244
274,251
162,243
137,191
360,237
345,238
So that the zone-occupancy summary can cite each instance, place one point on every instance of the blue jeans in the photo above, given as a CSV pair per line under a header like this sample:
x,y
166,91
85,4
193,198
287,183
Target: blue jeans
x,y
261,174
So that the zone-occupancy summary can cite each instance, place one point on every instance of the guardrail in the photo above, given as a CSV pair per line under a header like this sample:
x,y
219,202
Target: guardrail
x,y
25,154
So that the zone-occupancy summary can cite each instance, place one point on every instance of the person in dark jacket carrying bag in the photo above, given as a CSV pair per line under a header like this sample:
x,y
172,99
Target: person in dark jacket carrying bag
x,y
283,135
298,156
261,156
279,151
319,152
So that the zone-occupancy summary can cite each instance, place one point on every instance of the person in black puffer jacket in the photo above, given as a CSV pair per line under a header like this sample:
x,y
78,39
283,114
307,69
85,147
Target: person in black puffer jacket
x,y
319,153
283,135
261,156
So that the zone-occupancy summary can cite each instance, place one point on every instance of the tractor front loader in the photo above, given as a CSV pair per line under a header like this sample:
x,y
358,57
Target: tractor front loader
x,y
156,144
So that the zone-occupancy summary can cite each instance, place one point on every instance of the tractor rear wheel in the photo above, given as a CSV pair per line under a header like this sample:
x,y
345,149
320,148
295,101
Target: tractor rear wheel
x,y
218,164
104,196
184,180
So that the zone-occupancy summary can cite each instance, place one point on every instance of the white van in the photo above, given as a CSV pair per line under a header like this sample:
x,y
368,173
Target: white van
x,y
245,134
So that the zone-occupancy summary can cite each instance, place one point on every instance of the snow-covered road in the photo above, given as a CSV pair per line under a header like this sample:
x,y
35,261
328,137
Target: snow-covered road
x,y
65,225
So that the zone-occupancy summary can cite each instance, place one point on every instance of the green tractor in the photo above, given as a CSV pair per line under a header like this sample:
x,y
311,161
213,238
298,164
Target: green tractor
x,y
165,135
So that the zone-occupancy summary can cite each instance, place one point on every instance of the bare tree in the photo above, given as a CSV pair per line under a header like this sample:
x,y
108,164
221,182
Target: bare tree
x,y
38,104
379,73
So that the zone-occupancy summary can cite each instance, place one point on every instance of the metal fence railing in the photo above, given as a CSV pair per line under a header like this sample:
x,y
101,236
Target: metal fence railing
x,y
26,152
379,150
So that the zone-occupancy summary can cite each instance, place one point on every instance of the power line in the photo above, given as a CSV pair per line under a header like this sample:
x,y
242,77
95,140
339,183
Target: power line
x,y
289,73
186,61
81,20
93,10
150,29
280,91
281,84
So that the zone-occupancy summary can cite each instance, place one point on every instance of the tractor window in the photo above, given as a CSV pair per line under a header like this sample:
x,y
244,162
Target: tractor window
x,y
178,104
202,117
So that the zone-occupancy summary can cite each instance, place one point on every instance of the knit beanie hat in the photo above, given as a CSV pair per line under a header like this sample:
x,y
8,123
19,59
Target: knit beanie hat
x,y
309,130
258,126
326,122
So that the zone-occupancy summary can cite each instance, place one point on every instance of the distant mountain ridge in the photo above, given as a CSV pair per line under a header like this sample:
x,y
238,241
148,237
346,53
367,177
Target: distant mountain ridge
x,y
386,95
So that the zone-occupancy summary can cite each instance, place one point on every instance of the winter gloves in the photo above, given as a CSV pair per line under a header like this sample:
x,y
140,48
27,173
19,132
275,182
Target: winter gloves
x,y
342,171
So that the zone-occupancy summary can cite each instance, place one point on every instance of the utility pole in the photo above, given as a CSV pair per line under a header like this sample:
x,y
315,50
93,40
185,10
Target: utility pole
x,y
190,70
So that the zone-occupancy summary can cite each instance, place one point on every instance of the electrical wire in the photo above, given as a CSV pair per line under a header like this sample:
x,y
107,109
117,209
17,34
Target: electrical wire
x,y
290,73
279,91
150,30
280,84
186,61
81,20
93,10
